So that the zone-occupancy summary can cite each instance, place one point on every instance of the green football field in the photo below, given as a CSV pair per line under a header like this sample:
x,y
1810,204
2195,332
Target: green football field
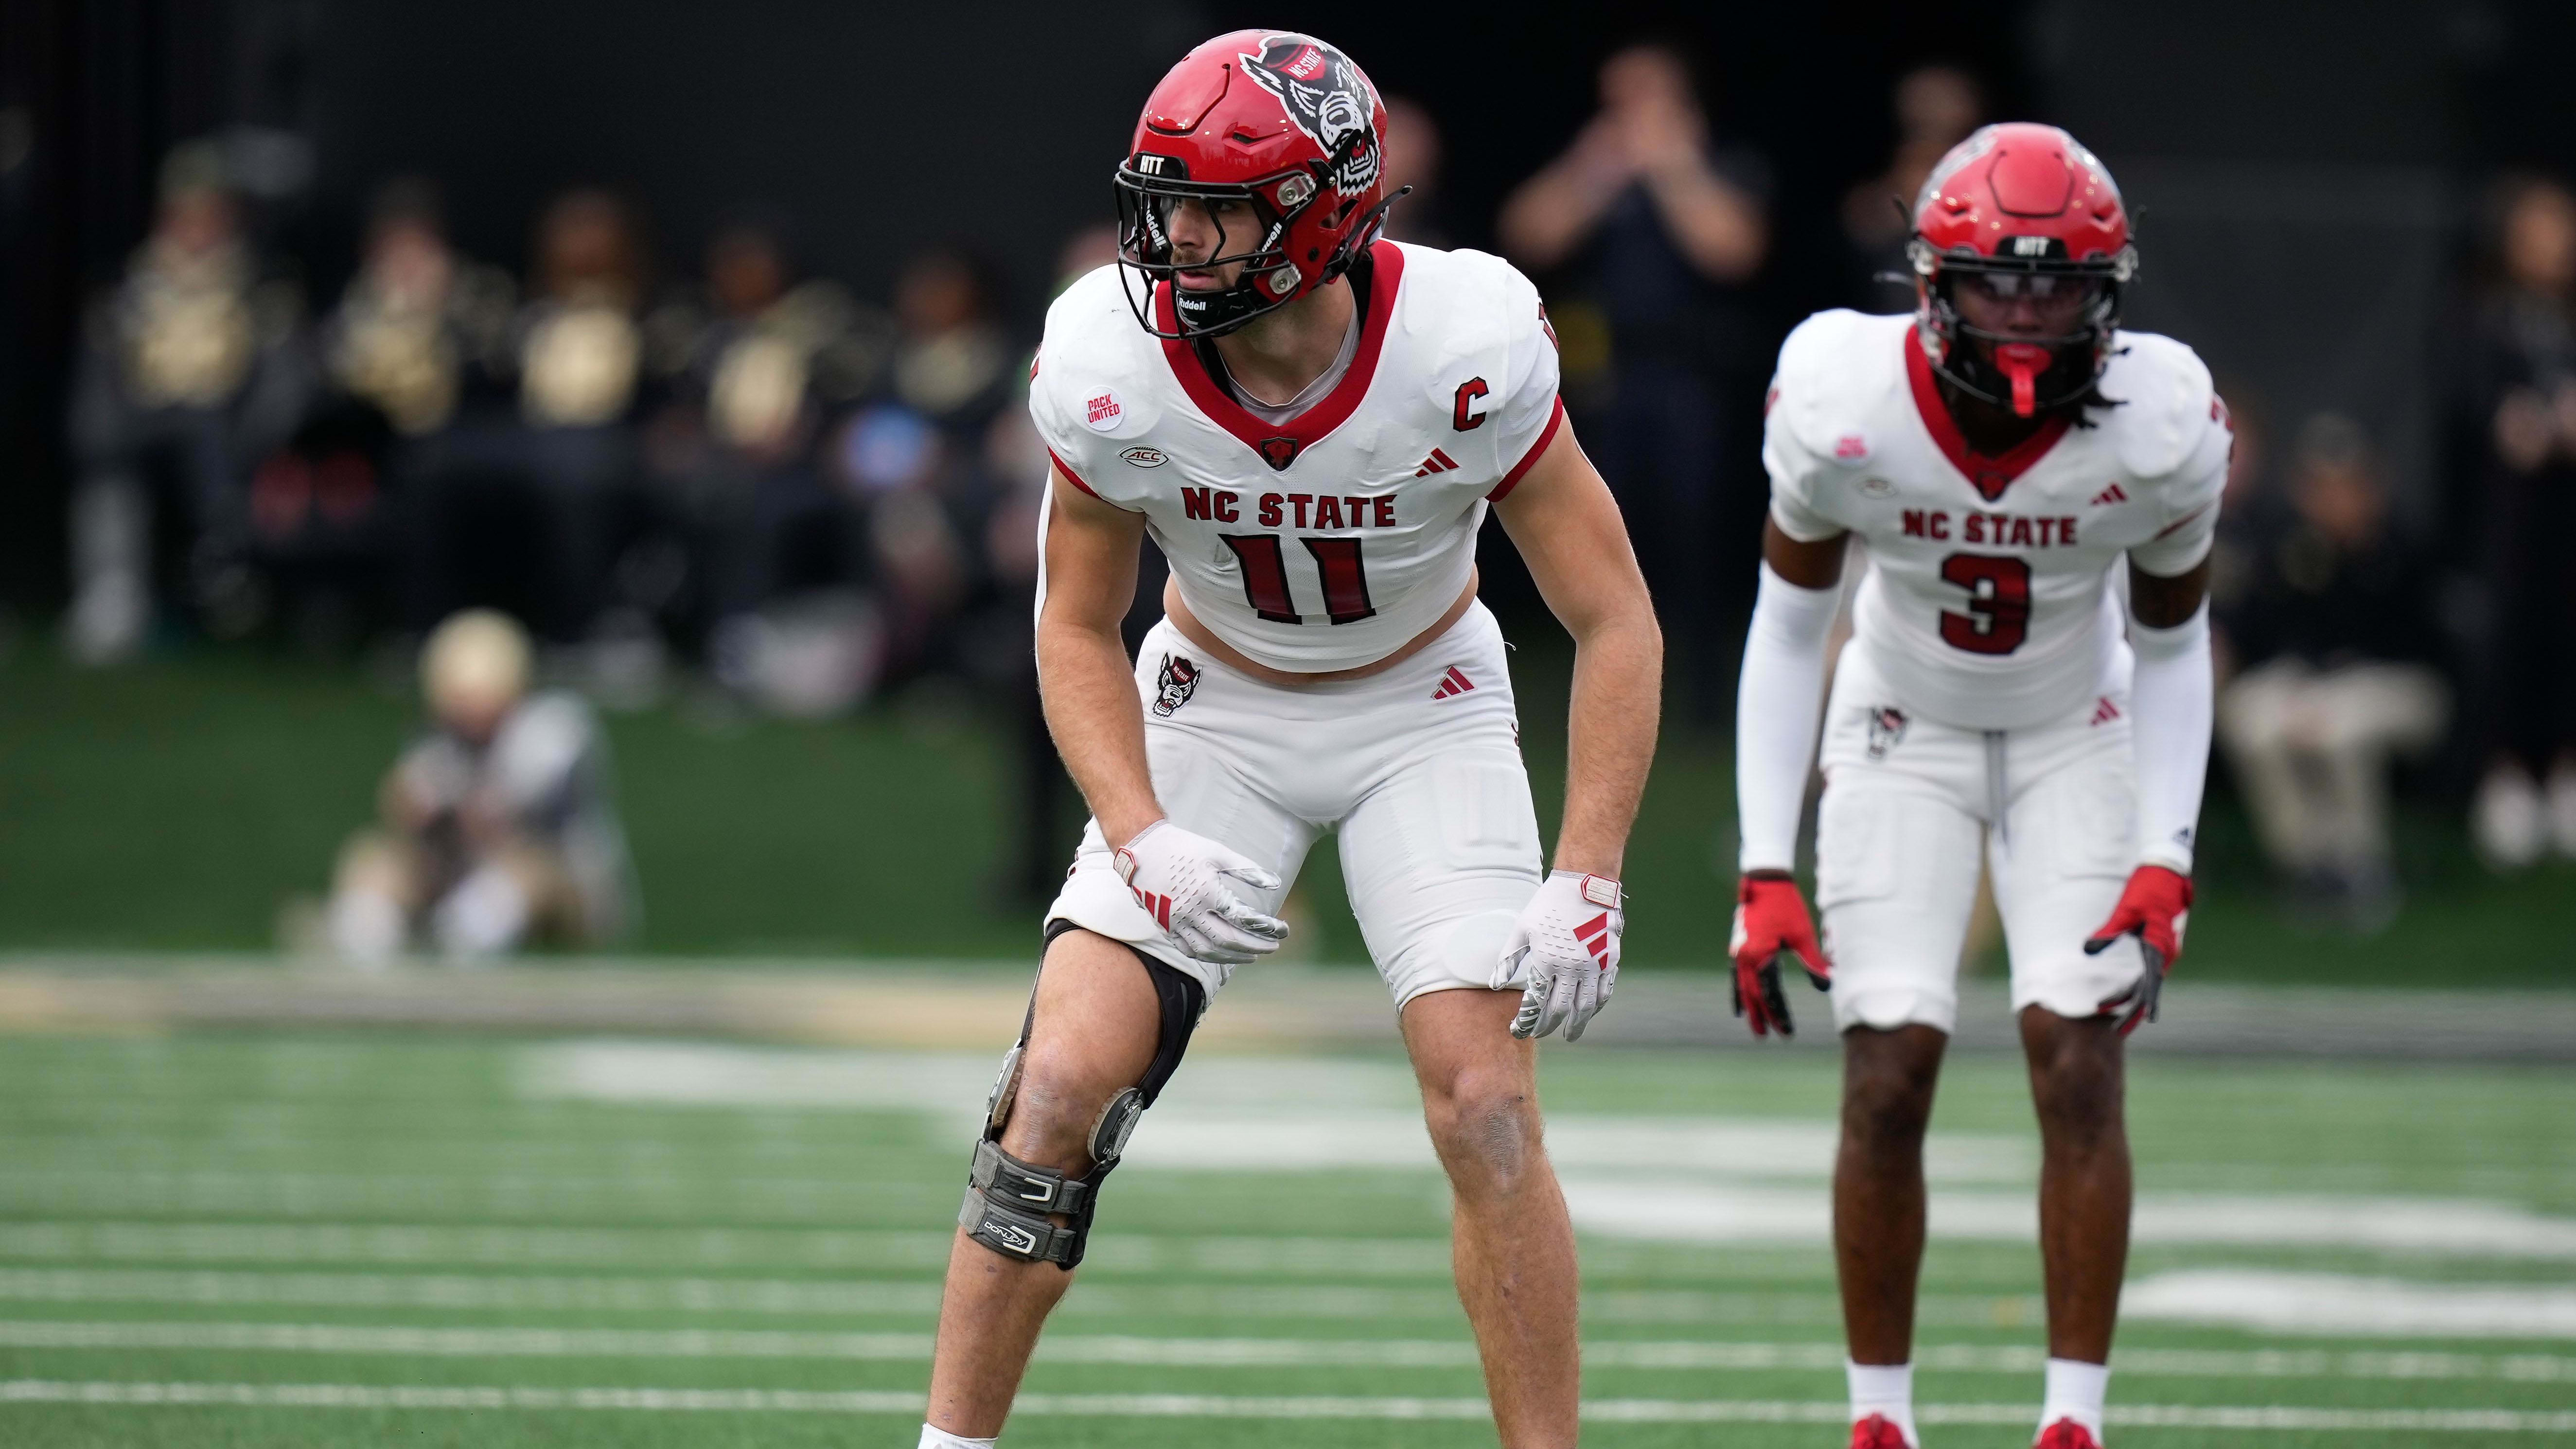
x,y
402,1239
227,778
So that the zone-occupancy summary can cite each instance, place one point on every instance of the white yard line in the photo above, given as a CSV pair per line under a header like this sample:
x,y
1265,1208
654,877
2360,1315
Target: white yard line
x,y
2323,1304
1199,1406
913,1298
521,1342
1725,1212
844,1250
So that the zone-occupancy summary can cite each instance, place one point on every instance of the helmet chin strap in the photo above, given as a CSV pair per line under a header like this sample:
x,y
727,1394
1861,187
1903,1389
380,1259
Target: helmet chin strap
x,y
2021,363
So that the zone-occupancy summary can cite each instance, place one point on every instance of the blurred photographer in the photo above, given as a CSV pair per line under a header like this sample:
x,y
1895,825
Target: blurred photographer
x,y
497,827
2333,639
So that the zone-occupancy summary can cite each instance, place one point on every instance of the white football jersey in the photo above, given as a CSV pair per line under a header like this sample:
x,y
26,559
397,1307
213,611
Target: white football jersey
x,y
1328,541
1988,603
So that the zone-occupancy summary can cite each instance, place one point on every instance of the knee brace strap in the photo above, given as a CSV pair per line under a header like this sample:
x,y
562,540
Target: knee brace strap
x,y
1010,1204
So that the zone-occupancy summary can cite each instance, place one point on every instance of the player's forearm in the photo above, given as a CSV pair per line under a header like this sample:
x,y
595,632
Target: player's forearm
x,y
1099,727
2171,702
1610,739
1776,703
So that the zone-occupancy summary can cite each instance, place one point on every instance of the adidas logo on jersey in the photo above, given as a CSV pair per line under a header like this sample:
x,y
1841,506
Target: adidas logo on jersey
x,y
2113,494
2104,711
1438,462
1453,683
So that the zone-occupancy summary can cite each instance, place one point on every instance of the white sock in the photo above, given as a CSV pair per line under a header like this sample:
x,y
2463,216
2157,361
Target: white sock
x,y
2075,1391
1886,1390
933,1437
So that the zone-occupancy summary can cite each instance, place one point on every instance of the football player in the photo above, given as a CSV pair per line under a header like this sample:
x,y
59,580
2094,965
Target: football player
x,y
1311,423
2019,469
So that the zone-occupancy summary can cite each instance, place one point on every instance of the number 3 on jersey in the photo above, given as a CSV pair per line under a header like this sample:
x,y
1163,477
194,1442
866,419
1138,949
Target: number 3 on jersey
x,y
1998,616
1265,577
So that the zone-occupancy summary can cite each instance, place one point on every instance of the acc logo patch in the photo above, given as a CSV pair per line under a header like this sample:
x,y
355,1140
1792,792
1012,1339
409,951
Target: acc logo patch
x,y
1173,687
1145,457
1878,488
1103,412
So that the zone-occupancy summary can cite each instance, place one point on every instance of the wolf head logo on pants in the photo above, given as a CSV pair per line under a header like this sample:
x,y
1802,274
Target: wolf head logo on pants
x,y
1178,680
1886,727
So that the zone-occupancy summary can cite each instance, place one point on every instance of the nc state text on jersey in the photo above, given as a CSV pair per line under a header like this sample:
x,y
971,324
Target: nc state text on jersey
x,y
1272,510
2003,530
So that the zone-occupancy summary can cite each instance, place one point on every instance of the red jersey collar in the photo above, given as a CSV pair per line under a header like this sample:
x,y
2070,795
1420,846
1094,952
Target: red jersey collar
x,y
1989,476
1280,443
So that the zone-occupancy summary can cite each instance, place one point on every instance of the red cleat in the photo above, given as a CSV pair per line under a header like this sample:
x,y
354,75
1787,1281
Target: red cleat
x,y
1875,1432
2066,1434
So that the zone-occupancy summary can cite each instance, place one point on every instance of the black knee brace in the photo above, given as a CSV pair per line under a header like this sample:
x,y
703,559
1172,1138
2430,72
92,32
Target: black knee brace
x,y
1011,1206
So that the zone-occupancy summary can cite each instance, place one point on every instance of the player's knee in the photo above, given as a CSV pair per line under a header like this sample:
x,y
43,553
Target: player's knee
x,y
1887,1090
1059,1097
1485,1125
2077,1101
2075,1077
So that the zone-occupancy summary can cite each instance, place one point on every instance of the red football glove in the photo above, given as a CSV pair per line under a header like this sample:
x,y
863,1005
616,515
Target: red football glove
x,y
1771,921
2152,908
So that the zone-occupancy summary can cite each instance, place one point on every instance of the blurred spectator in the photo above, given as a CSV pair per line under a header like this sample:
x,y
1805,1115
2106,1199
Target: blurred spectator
x,y
1664,228
1937,107
534,507
419,324
2522,399
952,364
418,333
187,372
902,471
762,363
1413,154
2334,643
498,827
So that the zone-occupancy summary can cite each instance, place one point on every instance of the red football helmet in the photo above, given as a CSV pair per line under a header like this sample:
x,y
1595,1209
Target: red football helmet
x,y
2020,209
1277,119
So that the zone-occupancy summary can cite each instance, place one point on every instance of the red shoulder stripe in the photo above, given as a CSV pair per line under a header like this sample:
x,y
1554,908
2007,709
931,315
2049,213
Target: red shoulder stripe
x,y
1546,435
1074,478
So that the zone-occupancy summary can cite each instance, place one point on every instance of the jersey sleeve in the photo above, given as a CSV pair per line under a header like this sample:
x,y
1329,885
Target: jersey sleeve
x,y
2189,500
1068,390
1793,472
1796,501
1529,412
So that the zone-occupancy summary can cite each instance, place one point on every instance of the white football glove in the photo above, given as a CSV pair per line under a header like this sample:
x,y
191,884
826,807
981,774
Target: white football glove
x,y
1182,882
1565,950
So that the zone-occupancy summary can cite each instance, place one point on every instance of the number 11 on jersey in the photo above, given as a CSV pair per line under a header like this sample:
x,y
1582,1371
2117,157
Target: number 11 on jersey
x,y
1265,577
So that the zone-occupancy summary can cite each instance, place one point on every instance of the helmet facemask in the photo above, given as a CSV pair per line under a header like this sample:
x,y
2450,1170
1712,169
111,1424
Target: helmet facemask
x,y
2025,374
1149,187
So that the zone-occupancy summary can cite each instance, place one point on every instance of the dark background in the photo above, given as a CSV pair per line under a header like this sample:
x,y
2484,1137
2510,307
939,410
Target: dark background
x,y
2305,173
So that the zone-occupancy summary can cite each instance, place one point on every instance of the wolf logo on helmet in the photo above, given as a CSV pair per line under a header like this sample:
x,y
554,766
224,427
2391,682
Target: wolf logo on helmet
x,y
1327,98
